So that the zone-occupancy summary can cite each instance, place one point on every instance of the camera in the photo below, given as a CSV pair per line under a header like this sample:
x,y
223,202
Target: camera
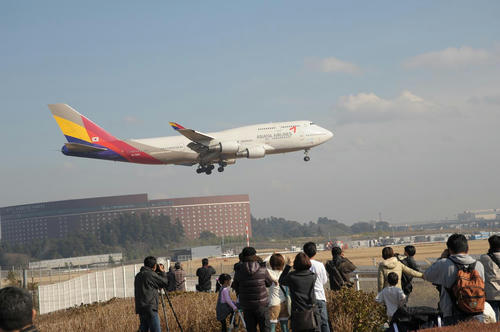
x,y
159,268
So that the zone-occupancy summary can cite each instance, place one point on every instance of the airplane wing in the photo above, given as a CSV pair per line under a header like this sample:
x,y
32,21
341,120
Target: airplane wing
x,y
191,134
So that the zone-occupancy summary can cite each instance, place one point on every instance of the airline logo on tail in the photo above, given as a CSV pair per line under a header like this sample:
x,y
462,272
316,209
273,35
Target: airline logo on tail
x,y
176,126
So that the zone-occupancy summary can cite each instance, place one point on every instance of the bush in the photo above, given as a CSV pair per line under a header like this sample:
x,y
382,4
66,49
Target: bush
x,y
351,310
13,279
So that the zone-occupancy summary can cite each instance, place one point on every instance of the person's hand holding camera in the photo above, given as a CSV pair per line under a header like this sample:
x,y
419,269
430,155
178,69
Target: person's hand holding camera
x,y
159,268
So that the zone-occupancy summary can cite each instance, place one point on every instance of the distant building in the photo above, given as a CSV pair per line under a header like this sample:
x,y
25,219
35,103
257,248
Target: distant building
x,y
222,215
186,254
475,215
77,261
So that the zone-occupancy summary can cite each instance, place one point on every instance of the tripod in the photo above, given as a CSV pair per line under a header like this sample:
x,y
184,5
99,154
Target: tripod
x,y
171,307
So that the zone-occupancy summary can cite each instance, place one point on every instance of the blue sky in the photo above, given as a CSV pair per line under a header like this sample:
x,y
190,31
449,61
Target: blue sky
x,y
411,91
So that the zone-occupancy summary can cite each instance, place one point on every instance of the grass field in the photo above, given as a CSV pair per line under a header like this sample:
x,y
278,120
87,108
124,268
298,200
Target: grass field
x,y
359,256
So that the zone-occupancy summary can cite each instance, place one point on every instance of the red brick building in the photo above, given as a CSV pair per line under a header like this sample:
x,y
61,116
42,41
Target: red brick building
x,y
222,215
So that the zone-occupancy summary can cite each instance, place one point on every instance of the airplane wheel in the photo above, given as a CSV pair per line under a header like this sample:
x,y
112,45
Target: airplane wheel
x,y
208,171
211,167
220,169
199,170
306,158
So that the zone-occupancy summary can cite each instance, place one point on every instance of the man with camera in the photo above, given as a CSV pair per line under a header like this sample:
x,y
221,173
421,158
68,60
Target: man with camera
x,y
147,283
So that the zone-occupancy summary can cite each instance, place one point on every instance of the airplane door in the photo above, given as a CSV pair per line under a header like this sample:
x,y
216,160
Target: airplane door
x,y
301,134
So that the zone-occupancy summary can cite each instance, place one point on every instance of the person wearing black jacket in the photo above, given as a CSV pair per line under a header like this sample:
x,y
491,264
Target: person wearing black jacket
x,y
409,261
251,280
339,270
305,314
147,283
204,274
171,279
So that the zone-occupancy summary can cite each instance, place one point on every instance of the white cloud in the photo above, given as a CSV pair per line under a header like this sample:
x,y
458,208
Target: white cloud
x,y
452,58
332,65
368,107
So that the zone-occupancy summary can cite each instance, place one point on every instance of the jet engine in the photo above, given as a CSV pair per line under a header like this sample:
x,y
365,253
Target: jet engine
x,y
225,147
253,152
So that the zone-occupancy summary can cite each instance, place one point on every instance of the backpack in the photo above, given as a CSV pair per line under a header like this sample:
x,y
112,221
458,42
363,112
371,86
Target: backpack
x,y
337,280
406,280
467,293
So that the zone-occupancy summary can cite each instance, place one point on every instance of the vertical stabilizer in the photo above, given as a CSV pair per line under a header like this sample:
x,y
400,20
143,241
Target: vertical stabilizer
x,y
77,128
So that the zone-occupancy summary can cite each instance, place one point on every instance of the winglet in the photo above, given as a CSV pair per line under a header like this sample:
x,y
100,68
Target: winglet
x,y
176,126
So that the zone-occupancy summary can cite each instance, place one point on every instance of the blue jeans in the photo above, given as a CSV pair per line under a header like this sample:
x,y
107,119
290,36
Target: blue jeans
x,y
324,315
150,322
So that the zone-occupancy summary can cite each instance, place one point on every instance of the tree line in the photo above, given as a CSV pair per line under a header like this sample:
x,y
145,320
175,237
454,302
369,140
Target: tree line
x,y
136,235
279,228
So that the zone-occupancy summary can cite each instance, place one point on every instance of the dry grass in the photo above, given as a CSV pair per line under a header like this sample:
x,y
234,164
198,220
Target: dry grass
x,y
364,256
196,312
359,256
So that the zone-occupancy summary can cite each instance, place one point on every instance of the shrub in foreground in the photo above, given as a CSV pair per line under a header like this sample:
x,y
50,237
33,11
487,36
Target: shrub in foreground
x,y
349,310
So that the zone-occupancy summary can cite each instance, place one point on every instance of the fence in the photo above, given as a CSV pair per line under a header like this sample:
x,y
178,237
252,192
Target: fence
x,y
94,287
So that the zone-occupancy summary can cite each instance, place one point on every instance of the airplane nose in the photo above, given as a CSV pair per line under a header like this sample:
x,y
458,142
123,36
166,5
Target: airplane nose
x,y
329,134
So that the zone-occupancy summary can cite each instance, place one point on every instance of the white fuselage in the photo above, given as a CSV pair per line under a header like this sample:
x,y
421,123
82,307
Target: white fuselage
x,y
279,137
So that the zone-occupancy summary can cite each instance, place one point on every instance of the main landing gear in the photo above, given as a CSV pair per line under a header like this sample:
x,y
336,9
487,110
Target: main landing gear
x,y
207,169
306,152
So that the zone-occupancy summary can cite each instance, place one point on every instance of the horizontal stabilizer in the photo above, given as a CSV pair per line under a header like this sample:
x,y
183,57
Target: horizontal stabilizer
x,y
77,147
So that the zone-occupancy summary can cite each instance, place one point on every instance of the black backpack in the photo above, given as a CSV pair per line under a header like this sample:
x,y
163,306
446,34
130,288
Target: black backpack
x,y
406,285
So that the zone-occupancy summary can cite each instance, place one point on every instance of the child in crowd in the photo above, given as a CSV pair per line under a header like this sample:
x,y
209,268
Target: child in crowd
x,y
278,301
225,306
392,297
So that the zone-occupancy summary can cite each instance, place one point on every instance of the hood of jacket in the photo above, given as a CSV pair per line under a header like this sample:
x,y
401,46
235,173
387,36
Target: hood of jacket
x,y
462,259
250,268
390,263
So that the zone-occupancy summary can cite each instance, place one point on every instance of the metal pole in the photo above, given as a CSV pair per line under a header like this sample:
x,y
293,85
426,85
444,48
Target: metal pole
x,y
81,288
356,279
104,284
114,282
39,300
88,288
69,292
124,282
173,311
53,287
164,311
58,296
96,286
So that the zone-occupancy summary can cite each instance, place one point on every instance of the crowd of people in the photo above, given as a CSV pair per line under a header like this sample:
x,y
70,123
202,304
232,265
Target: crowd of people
x,y
468,288
275,290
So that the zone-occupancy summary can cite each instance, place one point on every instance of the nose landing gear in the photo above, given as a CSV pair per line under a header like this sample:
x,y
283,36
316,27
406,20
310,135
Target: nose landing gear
x,y
306,152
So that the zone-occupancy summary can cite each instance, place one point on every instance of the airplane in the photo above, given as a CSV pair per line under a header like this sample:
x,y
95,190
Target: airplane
x,y
191,147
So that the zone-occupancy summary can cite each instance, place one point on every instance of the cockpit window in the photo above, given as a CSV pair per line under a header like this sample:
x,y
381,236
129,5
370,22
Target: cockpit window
x,y
311,123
